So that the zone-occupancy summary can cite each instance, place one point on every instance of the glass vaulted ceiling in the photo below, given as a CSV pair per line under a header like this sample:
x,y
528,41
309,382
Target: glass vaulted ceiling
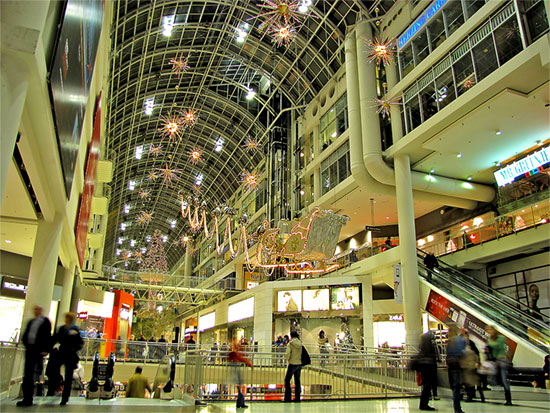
x,y
215,85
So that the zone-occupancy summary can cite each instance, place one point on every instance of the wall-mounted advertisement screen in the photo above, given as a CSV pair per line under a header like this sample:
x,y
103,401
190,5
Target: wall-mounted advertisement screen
x,y
241,310
344,298
289,300
316,300
206,321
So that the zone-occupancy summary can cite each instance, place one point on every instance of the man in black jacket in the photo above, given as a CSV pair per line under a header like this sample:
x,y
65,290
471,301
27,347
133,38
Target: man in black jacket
x,y
37,341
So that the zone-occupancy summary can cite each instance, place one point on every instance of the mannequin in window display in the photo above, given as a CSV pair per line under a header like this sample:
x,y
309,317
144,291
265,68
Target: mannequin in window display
x,y
534,295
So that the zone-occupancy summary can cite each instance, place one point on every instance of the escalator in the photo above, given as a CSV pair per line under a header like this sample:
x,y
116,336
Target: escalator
x,y
452,296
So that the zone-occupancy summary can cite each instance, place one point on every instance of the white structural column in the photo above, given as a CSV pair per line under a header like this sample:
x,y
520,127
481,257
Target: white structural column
x,y
263,317
187,267
14,85
43,266
407,247
368,320
66,293
395,110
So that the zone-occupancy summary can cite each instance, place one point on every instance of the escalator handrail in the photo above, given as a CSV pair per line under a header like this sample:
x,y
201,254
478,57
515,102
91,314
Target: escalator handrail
x,y
505,299
520,319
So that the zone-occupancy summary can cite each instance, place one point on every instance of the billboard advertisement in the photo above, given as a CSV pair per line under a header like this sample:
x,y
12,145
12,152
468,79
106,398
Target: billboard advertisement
x,y
448,312
71,76
316,300
344,298
289,300
241,310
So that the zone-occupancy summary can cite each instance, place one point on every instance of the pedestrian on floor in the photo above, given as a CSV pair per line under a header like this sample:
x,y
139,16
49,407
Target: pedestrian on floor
x,y
70,342
293,356
456,348
426,364
470,364
37,342
137,385
498,351
236,358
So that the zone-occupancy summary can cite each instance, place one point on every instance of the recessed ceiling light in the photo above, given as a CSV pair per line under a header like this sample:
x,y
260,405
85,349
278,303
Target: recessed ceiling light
x,y
499,132
8,241
432,171
387,217
470,178
459,155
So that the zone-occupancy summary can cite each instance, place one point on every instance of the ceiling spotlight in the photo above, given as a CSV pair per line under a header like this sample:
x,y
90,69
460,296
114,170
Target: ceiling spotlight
x,y
302,8
459,155
497,163
251,93
499,132
168,25
7,241
470,178
432,171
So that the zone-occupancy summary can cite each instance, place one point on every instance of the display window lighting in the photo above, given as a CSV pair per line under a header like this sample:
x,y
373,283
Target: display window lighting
x,y
250,94
126,208
131,185
139,152
149,105
477,221
430,238
168,25
421,242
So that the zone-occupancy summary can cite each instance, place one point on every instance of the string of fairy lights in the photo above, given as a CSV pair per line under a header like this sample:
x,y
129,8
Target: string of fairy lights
x,y
281,20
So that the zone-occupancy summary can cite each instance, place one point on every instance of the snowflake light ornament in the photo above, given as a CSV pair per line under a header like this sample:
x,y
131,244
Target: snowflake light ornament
x,y
152,176
155,150
144,218
385,103
172,127
382,52
250,180
179,65
282,35
189,118
195,156
281,12
251,145
144,194
168,175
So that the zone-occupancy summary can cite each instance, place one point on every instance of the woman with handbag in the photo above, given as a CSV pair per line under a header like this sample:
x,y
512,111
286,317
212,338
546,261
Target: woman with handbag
x,y
294,357
498,350
323,347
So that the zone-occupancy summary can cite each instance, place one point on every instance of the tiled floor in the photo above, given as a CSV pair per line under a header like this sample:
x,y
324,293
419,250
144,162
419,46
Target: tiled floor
x,y
49,404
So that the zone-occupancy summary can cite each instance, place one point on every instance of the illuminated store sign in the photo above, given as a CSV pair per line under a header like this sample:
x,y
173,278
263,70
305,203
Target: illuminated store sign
x,y
13,286
205,322
524,166
241,310
420,22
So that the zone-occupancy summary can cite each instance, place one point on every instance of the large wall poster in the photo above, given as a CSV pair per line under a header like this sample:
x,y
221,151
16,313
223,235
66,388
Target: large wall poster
x,y
71,76
316,300
289,300
344,298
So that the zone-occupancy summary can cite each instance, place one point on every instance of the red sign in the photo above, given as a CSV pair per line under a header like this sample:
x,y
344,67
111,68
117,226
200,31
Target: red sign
x,y
448,312
85,207
83,315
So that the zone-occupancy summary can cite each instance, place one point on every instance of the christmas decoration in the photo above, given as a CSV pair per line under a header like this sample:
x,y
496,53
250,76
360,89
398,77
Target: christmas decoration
x,y
179,65
252,145
385,103
172,127
155,257
144,194
168,175
189,118
126,255
152,176
144,218
281,13
382,52
282,35
155,150
250,181
195,156
469,81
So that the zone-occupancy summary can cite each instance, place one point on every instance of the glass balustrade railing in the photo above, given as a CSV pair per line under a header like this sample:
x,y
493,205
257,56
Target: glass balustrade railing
x,y
502,310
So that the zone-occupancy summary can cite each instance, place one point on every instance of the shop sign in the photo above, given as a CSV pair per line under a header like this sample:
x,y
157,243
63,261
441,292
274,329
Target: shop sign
x,y
125,313
524,166
14,287
388,317
448,312
420,22
83,315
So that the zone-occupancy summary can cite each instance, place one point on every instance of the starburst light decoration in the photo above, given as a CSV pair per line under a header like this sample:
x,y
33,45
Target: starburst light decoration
x,y
382,52
155,150
144,218
189,118
168,175
282,35
251,145
385,103
126,255
152,176
195,156
179,65
250,180
172,127
281,12
469,81
144,194
138,255
155,258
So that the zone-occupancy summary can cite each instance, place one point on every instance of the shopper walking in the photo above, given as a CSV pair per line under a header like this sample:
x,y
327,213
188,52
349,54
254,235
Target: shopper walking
x,y
456,348
37,341
498,352
430,262
293,356
137,385
426,364
323,347
470,365
235,359
70,342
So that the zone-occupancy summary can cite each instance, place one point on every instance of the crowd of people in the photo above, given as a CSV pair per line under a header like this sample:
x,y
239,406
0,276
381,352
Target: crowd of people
x,y
468,369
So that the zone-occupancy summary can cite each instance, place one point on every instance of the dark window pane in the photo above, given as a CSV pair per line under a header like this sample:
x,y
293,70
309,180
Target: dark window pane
x,y
413,113
508,40
464,74
325,182
429,103
342,169
437,31
420,46
472,6
537,20
485,58
453,16
445,89
406,60
333,174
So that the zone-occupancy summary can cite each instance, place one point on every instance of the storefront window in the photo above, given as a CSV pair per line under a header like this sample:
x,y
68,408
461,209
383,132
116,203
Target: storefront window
x,y
333,123
413,113
485,58
464,74
420,47
454,16
335,168
537,20
406,60
445,92
429,102
471,6
437,32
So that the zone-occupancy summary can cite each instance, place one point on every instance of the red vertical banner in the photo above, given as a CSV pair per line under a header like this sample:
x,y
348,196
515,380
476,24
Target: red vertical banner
x,y
85,207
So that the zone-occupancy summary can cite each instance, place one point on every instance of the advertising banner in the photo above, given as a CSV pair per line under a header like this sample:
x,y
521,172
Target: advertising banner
x,y
448,312
289,300
316,300
71,76
345,298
